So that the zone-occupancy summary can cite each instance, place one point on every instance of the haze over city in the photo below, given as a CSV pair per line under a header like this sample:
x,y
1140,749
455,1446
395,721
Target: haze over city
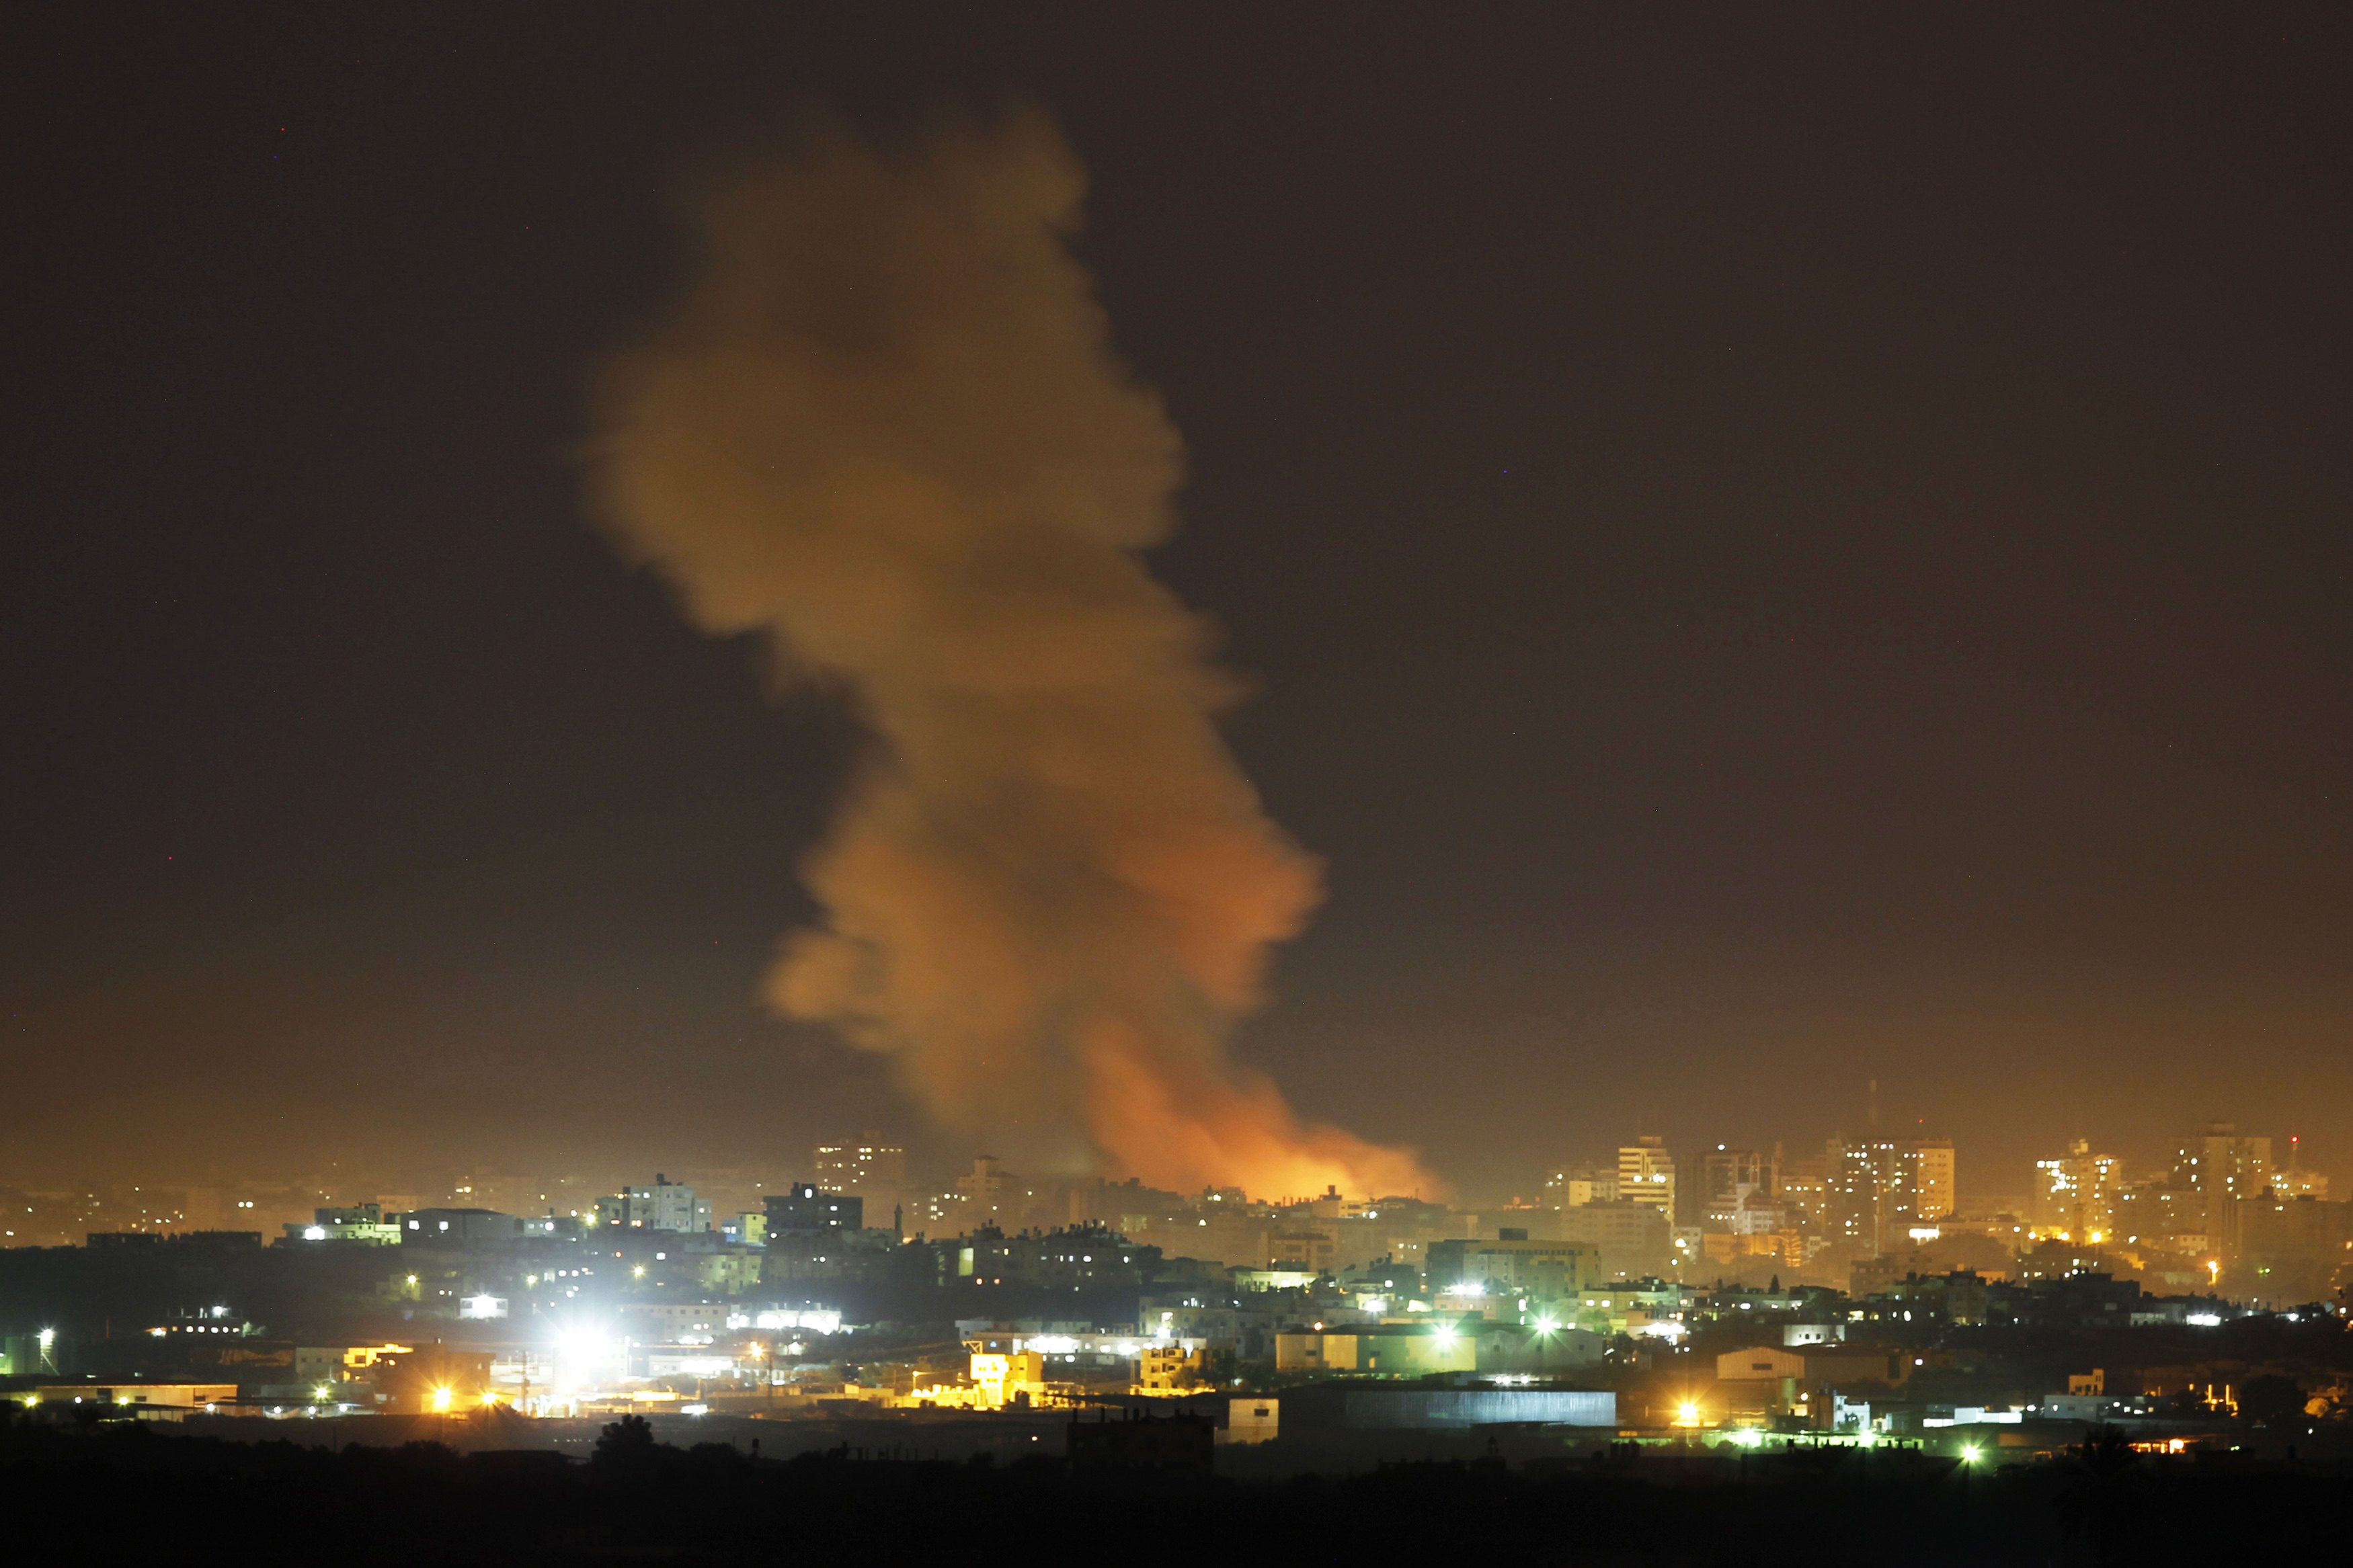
x,y
1724,608
784,778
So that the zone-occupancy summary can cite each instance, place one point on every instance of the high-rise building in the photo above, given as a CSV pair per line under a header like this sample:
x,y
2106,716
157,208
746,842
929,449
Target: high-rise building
x,y
1729,1178
1933,1185
1855,1171
2218,1168
1876,1191
2153,1209
1573,1186
2293,1181
990,1191
2076,1193
871,1168
1805,1187
1629,1239
1646,1174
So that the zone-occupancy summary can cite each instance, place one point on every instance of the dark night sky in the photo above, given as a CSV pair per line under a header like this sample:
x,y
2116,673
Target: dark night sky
x,y
1777,550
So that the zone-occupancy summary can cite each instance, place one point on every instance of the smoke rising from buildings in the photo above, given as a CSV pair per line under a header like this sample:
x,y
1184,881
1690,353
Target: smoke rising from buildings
x,y
884,428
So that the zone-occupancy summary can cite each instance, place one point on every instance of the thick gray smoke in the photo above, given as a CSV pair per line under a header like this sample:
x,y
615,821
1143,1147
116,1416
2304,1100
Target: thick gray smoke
x,y
884,426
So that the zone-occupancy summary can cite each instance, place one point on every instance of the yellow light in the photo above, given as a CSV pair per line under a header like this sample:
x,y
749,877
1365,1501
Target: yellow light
x,y
489,1397
1687,1413
322,1392
638,1272
440,1399
1969,1455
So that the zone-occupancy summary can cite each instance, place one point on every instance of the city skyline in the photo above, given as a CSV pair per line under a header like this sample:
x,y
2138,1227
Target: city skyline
x,y
932,1159
2089,1191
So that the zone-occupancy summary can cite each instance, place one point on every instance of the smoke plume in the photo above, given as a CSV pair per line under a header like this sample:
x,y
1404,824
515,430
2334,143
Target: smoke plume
x,y
884,426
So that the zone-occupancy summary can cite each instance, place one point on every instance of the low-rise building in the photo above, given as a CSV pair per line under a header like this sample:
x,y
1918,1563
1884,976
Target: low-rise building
x,y
362,1223
730,1272
1513,1265
1253,1420
1165,1368
804,1212
1530,1348
1004,1378
1382,1349
665,1206
424,1228
673,1322
1629,1239
1631,1306
138,1396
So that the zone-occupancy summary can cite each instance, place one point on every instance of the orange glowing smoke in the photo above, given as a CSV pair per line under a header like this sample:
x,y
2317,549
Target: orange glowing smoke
x,y
884,426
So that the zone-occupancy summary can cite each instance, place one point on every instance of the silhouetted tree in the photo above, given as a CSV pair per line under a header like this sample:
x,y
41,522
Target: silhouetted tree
x,y
2271,1399
2100,1499
629,1438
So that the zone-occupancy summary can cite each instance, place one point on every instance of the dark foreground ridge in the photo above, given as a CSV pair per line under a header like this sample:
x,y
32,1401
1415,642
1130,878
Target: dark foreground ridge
x,y
206,1499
